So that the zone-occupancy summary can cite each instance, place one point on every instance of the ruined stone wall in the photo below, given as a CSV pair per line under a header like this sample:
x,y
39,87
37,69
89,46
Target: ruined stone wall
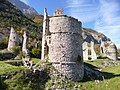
x,y
25,41
65,46
13,39
85,51
109,49
93,53
112,51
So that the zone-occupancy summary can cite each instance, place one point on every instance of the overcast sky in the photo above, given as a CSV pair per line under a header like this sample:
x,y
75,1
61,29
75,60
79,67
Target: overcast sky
x,y
100,15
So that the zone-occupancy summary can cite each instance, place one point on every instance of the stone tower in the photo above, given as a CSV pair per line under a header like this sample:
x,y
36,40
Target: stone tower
x,y
13,39
64,45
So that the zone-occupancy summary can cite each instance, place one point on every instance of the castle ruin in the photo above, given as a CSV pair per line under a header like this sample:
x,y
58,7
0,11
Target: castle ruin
x,y
62,41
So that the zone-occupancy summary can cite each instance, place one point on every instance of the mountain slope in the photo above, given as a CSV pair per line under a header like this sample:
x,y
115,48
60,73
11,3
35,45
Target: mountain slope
x,y
26,9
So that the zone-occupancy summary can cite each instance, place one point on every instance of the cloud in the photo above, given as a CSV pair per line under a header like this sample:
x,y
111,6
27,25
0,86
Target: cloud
x,y
25,1
81,9
104,13
108,21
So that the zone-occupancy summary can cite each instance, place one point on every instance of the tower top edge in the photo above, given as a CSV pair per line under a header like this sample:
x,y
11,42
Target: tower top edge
x,y
64,16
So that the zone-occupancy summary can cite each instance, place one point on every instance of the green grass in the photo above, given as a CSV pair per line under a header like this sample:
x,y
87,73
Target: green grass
x,y
97,63
111,81
111,73
24,80
6,68
35,60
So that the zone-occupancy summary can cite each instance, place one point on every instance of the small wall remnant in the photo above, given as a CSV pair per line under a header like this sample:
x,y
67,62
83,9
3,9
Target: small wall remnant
x,y
112,54
102,47
25,41
89,51
44,35
93,54
64,43
26,57
58,12
85,51
13,39
110,50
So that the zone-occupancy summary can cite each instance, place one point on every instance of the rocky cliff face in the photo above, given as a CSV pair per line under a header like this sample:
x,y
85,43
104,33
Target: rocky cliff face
x,y
26,9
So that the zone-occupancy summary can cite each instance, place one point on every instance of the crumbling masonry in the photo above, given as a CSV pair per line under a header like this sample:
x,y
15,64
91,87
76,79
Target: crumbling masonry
x,y
62,41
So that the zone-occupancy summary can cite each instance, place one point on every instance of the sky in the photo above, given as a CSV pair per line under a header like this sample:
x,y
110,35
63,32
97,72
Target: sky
x,y
100,15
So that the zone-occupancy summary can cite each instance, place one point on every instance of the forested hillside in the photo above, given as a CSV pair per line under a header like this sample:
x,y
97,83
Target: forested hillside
x,y
11,16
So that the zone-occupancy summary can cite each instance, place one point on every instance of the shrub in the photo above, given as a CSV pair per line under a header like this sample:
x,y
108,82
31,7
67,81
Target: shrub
x,y
16,50
36,52
1,84
3,43
30,47
6,55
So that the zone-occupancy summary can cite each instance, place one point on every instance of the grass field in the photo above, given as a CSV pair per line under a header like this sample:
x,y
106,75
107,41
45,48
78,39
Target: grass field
x,y
112,77
111,80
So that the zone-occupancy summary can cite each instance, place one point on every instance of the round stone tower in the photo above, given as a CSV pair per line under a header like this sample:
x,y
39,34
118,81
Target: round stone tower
x,y
65,46
64,43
